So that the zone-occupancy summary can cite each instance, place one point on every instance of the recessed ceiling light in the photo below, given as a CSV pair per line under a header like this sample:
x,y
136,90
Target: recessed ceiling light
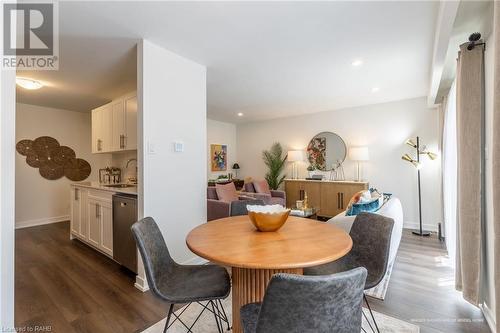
x,y
28,83
240,114
357,62
375,89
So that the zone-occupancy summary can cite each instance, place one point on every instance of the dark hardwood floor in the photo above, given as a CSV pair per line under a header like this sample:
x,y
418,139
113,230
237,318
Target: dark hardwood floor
x,y
72,288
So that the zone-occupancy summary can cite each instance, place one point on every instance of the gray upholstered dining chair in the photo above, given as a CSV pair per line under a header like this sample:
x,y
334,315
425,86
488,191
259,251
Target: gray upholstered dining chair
x,y
180,284
371,238
240,207
308,304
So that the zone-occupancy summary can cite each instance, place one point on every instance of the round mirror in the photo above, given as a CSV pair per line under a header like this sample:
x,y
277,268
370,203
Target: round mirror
x,y
326,150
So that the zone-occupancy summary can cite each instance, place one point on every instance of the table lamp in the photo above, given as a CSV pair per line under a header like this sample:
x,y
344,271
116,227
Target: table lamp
x,y
359,154
236,167
295,156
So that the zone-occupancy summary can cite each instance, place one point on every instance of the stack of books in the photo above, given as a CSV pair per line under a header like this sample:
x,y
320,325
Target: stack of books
x,y
302,212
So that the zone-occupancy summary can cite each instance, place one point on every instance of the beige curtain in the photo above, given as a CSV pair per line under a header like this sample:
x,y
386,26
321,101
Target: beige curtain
x,y
496,160
470,139
442,111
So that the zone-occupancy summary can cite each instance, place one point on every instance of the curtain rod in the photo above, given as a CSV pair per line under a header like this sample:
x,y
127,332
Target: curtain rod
x,y
473,39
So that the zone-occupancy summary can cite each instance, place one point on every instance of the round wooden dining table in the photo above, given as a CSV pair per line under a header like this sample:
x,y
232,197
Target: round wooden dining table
x,y
255,256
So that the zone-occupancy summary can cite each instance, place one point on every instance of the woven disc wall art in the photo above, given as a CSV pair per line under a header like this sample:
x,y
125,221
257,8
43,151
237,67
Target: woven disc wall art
x,y
53,160
51,170
34,160
24,147
62,154
44,144
77,169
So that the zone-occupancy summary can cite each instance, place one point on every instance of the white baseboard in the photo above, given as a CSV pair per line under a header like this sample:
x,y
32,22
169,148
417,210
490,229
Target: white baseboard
x,y
49,220
490,317
141,284
425,226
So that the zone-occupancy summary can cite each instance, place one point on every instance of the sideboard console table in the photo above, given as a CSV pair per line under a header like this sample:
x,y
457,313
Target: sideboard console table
x,y
329,197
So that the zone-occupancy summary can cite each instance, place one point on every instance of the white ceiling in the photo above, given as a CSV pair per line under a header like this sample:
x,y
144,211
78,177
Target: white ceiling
x,y
266,60
472,16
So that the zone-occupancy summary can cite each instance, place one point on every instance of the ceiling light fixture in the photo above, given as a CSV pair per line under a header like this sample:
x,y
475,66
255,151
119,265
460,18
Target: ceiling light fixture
x,y
375,89
357,62
240,114
29,84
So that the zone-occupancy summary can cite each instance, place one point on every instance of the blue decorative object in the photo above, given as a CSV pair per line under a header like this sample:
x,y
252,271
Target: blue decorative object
x,y
357,208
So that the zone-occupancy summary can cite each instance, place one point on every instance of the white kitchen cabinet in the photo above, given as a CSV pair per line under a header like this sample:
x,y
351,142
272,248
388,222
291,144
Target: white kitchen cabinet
x,y
94,222
96,130
92,218
130,112
79,225
114,125
102,120
106,216
75,212
118,126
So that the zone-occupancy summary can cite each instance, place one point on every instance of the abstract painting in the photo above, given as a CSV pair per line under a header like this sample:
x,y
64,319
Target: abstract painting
x,y
218,157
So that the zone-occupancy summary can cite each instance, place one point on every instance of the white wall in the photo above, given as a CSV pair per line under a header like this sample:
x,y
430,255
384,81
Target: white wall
x,y
172,107
219,132
39,200
7,171
382,127
489,294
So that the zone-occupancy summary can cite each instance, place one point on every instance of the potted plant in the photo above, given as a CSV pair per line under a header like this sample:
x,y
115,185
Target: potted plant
x,y
275,162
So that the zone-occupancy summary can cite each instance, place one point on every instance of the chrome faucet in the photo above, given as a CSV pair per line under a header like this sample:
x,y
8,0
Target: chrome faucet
x,y
132,180
130,160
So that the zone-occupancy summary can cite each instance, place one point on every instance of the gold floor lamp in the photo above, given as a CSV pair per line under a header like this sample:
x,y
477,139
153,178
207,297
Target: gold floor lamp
x,y
416,163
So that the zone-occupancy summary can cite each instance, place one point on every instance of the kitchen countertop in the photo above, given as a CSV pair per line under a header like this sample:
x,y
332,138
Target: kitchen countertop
x,y
103,187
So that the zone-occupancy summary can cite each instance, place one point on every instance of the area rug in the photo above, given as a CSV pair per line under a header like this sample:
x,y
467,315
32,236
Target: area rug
x,y
381,289
206,323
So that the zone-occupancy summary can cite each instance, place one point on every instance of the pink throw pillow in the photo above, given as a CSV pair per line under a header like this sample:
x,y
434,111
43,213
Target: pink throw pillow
x,y
226,192
261,186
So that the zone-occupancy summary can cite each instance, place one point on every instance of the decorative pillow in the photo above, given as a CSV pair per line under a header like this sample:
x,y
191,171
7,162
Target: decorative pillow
x,y
364,201
357,208
226,192
358,197
261,186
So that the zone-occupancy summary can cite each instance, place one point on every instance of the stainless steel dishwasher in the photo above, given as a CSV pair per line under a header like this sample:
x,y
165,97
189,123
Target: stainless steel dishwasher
x,y
124,215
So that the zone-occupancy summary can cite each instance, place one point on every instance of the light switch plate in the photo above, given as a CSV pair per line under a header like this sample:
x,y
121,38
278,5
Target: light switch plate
x,y
151,148
178,146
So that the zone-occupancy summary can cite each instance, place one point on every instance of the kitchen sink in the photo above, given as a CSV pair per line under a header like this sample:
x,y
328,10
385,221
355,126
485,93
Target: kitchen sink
x,y
121,185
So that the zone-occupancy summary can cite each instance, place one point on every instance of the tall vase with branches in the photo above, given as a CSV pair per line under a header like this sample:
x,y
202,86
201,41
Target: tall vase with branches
x,y
275,162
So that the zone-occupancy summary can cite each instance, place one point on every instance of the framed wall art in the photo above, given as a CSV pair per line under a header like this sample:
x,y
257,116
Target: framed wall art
x,y
218,157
